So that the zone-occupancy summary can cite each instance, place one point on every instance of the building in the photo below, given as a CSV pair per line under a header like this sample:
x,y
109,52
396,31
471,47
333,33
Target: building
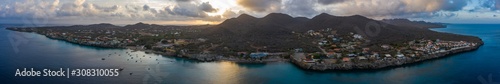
x,y
362,58
400,55
388,55
258,55
346,59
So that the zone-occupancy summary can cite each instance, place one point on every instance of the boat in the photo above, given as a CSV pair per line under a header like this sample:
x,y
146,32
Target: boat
x,y
121,69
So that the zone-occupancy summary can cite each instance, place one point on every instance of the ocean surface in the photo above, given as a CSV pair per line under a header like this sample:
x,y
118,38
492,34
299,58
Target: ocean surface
x,y
29,50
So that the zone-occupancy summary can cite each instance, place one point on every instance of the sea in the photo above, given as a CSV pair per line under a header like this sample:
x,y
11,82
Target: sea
x,y
19,50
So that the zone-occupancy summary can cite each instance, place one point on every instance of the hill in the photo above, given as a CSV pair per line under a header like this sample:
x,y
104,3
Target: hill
x,y
278,31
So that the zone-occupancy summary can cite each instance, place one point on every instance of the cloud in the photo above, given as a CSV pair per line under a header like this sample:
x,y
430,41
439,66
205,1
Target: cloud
x,y
229,14
145,7
79,2
184,0
106,9
183,10
207,7
302,8
434,5
326,2
497,4
260,5
397,8
187,9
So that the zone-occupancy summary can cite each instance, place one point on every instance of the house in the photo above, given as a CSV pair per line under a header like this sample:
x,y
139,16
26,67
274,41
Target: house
x,y
258,55
361,57
241,53
357,36
331,36
309,60
335,40
330,61
346,59
412,55
331,54
366,49
202,39
351,55
337,49
388,55
400,55
385,46
180,42
298,50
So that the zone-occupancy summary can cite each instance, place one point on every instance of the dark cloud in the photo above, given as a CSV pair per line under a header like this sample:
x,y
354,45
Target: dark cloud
x,y
260,5
326,2
497,4
189,9
453,5
207,7
230,14
145,7
184,0
106,9
67,9
400,8
302,8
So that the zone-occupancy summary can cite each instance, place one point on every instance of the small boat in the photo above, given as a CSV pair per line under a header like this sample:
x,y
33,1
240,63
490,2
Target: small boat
x,y
103,59
121,69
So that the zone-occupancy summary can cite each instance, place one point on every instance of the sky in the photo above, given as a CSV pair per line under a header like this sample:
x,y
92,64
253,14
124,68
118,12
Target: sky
x,y
195,12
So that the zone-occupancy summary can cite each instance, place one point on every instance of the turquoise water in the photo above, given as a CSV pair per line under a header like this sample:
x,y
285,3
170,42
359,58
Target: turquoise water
x,y
39,52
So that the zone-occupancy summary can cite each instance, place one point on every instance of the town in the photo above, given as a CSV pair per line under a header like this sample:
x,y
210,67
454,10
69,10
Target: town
x,y
346,52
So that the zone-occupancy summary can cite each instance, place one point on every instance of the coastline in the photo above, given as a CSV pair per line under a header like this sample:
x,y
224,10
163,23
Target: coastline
x,y
382,65
315,67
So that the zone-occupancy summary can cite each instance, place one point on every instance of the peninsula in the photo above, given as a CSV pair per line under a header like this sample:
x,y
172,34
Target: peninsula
x,y
324,42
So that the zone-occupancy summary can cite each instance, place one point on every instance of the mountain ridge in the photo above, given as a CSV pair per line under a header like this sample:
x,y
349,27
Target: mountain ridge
x,y
278,26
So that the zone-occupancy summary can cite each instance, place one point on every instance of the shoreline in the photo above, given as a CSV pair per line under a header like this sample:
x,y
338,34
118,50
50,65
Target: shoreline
x,y
382,65
315,67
